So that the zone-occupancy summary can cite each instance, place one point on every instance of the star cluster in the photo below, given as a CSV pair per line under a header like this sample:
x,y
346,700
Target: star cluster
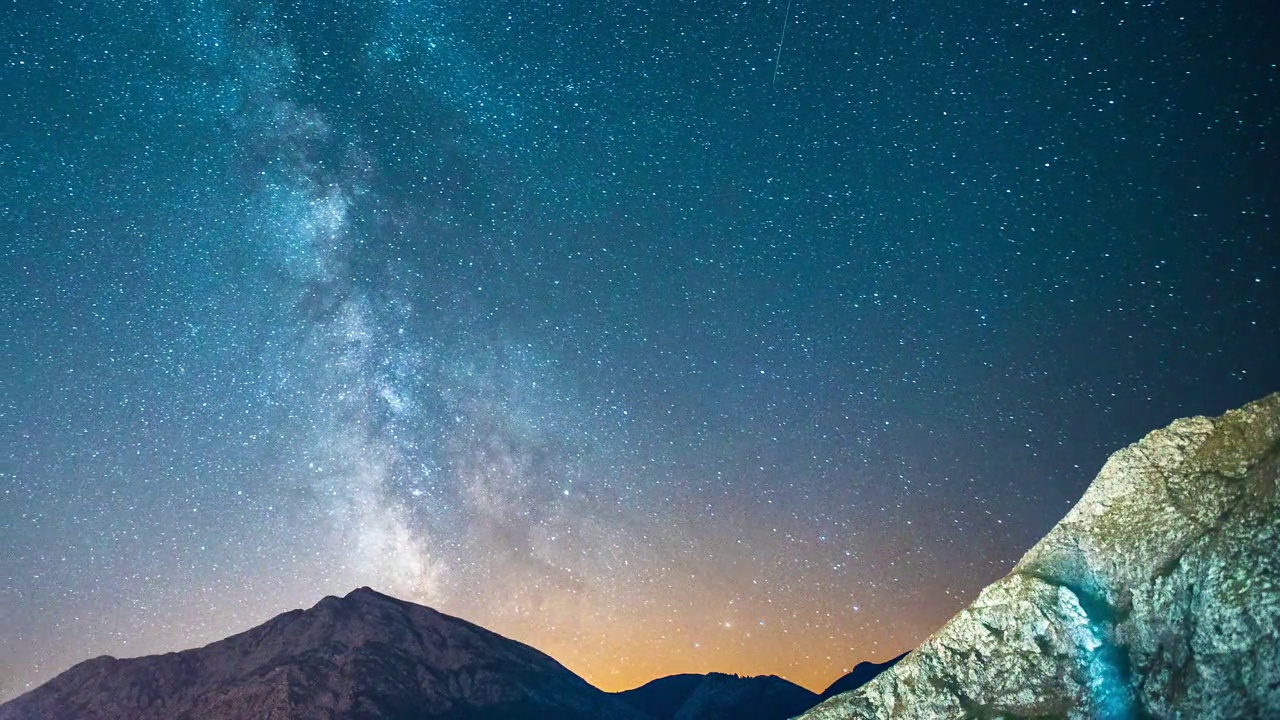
x,y
643,333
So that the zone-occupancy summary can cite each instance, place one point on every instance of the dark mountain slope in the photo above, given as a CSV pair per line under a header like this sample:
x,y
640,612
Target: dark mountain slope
x,y
663,697
720,697
861,674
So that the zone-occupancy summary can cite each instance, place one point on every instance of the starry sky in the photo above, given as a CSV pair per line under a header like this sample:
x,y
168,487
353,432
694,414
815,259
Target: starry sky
x,y
665,336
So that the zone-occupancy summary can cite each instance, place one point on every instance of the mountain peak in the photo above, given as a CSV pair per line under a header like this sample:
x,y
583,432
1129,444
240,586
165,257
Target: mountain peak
x,y
364,592
366,654
368,597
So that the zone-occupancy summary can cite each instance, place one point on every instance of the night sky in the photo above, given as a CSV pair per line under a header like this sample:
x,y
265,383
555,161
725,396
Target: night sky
x,y
636,331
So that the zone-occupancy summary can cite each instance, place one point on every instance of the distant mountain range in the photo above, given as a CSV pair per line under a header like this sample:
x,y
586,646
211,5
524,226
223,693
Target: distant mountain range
x,y
717,696
373,657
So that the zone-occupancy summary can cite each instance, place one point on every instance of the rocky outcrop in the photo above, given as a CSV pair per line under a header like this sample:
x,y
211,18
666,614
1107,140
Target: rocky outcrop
x,y
718,696
365,656
1157,596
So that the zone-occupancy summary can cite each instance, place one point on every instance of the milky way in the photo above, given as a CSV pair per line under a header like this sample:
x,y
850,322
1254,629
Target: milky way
x,y
619,329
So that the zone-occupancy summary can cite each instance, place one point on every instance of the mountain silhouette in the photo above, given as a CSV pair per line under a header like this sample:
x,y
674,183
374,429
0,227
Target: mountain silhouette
x,y
663,697
365,656
717,696
861,674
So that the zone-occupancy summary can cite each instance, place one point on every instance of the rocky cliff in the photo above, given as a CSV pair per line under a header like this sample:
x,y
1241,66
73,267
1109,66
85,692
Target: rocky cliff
x,y
1157,596
366,656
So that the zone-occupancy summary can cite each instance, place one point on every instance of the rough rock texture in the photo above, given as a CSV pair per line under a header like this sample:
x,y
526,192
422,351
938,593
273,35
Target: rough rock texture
x,y
717,696
1157,596
365,656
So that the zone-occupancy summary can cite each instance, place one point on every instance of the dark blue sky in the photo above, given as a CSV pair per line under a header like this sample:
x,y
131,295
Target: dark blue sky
x,y
617,328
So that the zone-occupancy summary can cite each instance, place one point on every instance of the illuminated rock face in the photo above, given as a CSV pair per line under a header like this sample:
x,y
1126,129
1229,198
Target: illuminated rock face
x,y
1157,596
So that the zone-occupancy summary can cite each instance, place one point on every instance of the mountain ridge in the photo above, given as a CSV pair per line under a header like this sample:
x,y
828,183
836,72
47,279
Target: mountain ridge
x,y
374,656
365,655
716,696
